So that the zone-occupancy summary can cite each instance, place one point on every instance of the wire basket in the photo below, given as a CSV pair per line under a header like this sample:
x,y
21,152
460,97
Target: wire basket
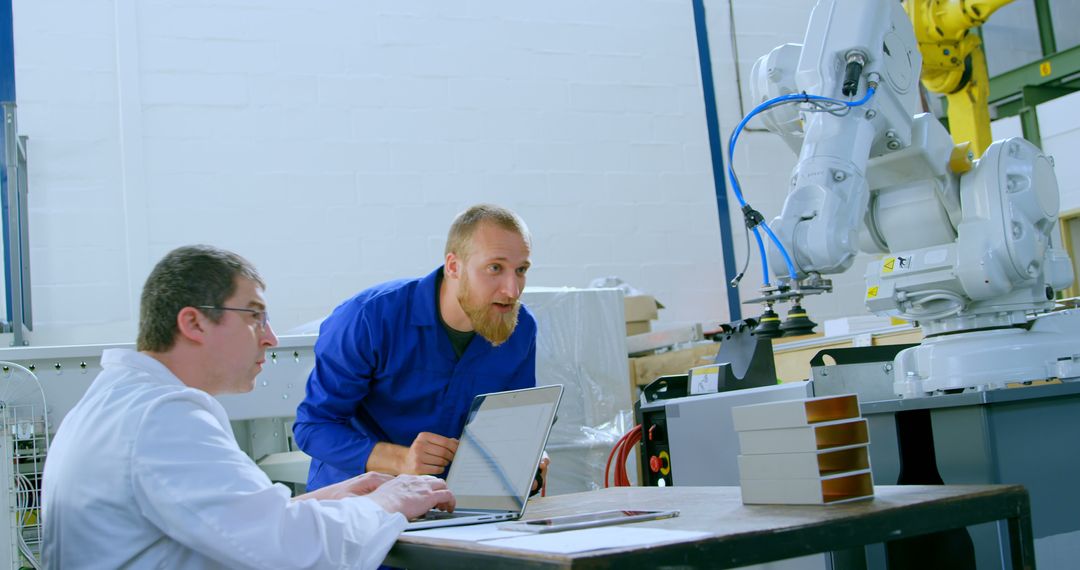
x,y
24,441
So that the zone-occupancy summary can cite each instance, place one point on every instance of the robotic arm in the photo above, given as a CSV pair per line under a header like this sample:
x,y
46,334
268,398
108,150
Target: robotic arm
x,y
849,47
955,64
967,243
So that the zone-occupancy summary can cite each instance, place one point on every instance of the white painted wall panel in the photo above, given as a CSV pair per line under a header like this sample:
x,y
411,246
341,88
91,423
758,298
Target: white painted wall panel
x,y
332,142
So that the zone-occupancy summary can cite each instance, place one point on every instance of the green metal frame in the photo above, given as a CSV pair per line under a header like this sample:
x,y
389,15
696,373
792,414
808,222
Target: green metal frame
x,y
1063,71
1046,27
1019,91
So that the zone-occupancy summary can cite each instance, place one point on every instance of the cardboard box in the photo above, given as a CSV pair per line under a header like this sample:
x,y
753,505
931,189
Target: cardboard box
x,y
645,369
795,413
640,308
804,439
637,327
845,487
813,465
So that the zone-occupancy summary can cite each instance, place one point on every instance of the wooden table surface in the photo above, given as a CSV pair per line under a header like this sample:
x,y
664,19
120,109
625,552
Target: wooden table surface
x,y
740,534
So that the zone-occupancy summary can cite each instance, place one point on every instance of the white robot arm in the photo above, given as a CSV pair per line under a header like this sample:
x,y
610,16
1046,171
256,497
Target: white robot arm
x,y
854,43
967,244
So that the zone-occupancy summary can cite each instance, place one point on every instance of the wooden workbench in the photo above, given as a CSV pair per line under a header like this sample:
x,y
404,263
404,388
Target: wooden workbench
x,y
742,534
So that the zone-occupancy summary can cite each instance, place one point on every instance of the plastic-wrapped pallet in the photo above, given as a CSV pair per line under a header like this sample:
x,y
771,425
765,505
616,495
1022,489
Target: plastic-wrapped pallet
x,y
581,343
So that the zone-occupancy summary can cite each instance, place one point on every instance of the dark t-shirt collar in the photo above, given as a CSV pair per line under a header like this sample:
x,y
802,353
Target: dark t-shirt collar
x,y
458,339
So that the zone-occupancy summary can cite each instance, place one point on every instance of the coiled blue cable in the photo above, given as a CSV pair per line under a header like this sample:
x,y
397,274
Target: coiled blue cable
x,y
737,190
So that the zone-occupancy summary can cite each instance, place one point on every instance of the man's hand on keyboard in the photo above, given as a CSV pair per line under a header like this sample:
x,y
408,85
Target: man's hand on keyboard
x,y
413,495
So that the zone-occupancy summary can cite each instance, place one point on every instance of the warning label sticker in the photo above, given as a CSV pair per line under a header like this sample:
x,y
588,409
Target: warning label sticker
x,y
871,292
896,264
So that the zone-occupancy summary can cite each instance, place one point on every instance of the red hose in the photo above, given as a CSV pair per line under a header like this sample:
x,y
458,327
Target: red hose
x,y
621,450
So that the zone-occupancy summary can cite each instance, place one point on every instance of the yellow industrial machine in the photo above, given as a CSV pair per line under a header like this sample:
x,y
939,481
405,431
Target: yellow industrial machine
x,y
954,63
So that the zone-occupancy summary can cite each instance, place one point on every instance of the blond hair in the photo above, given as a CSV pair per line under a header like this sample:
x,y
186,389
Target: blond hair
x,y
461,231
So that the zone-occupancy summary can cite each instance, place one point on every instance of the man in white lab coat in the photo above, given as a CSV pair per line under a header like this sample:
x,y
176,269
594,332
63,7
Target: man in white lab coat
x,y
144,471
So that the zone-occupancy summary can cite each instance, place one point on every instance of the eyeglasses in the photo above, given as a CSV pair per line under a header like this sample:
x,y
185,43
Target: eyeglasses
x,y
261,317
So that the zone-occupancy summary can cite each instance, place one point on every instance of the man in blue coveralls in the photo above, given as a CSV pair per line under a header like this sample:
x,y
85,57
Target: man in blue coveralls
x,y
397,365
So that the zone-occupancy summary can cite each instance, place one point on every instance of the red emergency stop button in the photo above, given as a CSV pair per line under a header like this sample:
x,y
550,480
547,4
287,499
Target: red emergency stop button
x,y
655,464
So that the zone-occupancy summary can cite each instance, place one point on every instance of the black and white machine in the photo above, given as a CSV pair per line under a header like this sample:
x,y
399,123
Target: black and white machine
x,y
967,250
968,245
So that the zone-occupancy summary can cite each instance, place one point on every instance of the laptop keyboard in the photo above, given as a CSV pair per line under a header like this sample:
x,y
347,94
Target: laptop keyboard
x,y
435,515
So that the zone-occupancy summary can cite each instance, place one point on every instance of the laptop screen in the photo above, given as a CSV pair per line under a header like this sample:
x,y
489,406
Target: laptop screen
x,y
500,447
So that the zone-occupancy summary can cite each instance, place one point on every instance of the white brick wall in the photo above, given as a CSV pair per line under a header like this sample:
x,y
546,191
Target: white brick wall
x,y
1059,126
332,142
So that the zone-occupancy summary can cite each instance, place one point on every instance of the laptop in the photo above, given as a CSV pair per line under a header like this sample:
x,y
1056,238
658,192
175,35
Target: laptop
x,y
497,457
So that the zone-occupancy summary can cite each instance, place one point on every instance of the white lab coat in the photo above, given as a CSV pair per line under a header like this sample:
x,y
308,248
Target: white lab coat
x,y
145,473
